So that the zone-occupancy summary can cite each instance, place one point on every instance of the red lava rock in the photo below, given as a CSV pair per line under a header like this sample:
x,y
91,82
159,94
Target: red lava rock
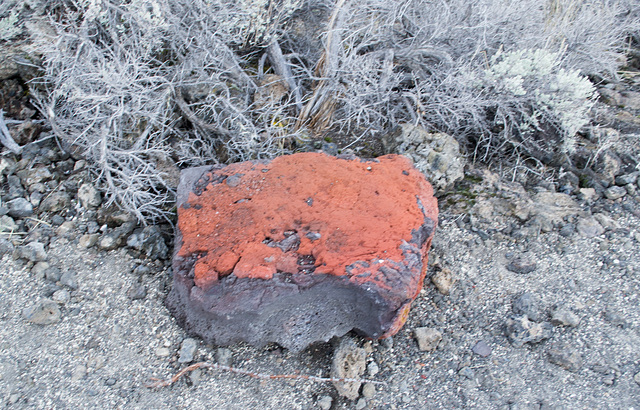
x,y
301,248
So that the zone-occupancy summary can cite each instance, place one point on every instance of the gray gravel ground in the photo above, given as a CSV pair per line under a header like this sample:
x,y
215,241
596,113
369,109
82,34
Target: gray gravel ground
x,y
531,300
108,344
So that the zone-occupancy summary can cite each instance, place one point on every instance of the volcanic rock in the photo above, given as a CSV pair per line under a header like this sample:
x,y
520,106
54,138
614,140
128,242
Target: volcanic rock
x,y
300,249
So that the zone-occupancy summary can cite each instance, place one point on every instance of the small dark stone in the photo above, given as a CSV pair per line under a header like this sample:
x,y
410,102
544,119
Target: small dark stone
x,y
563,316
15,188
20,208
521,266
567,230
615,192
481,349
527,304
150,241
117,237
49,289
521,330
92,227
387,342
33,251
330,148
137,291
566,358
57,220
6,247
110,381
69,279
53,274
55,202
187,350
142,270
622,180
467,372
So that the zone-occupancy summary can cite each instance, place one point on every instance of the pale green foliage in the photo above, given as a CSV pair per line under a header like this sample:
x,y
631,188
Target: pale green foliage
x,y
553,92
9,26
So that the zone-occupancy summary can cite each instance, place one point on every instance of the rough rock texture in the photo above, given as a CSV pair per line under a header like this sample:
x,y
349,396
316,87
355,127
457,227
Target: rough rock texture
x,y
437,155
300,249
349,362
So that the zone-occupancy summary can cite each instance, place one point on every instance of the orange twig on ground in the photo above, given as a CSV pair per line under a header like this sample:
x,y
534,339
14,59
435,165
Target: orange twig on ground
x,y
163,383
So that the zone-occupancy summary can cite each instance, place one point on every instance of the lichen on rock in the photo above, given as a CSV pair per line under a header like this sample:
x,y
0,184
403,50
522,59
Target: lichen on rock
x,y
437,155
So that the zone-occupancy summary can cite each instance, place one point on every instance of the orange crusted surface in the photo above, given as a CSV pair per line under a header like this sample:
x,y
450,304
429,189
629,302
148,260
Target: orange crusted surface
x,y
342,211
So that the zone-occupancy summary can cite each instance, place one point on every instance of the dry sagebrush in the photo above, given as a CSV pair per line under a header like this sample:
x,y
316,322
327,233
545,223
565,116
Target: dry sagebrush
x,y
136,83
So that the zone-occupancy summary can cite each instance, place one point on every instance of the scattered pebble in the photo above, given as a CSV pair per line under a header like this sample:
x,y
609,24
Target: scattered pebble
x,y
39,269
79,372
224,356
66,228
467,372
387,342
615,319
150,241
521,265
625,179
372,369
195,376
20,208
427,338
89,196
109,242
55,202
443,281
137,291
368,390
615,192
33,251
361,403
163,352
45,312
61,296
606,221
562,316
187,350
57,220
521,330
636,378
13,398
88,240
53,274
6,247
110,381
566,358
325,402
349,361
481,349
589,227
527,304
567,230
69,279
7,224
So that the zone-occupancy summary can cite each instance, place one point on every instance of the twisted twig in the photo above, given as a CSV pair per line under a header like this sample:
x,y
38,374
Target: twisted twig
x,y
163,383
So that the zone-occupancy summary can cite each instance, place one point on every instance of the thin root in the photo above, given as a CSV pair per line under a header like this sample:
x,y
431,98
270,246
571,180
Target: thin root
x,y
164,383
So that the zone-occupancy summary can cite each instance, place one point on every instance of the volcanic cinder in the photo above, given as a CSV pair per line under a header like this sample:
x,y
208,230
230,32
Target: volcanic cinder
x,y
300,249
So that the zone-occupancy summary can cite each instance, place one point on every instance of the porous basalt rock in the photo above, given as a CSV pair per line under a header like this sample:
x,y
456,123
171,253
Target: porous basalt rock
x,y
300,249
